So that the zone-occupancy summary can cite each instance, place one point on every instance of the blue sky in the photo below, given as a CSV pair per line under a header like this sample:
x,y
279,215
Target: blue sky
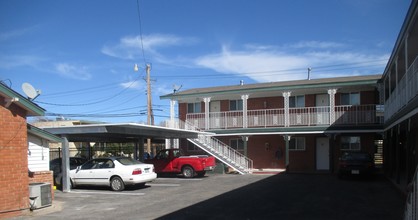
x,y
81,54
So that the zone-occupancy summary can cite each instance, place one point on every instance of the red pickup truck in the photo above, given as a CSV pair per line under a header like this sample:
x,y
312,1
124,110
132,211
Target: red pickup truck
x,y
173,161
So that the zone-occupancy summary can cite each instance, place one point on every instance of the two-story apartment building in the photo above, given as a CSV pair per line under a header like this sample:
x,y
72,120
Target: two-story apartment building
x,y
400,88
301,126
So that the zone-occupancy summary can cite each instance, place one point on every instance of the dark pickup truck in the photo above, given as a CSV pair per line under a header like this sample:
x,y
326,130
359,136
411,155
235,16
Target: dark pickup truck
x,y
173,161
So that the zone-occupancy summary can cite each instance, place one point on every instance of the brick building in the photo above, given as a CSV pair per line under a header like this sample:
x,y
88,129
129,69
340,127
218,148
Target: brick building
x,y
301,126
14,173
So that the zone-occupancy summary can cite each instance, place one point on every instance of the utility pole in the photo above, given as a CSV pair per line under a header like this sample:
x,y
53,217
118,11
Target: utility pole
x,y
150,118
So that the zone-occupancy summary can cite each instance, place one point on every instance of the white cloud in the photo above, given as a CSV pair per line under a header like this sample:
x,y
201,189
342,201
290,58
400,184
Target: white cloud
x,y
316,44
12,61
274,65
130,47
73,72
15,33
132,85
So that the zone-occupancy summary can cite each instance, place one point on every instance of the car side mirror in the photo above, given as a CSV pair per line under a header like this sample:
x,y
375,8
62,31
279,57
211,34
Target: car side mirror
x,y
78,169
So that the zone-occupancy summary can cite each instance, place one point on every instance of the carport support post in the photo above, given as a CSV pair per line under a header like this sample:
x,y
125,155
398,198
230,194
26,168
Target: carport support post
x,y
287,140
66,185
245,140
140,146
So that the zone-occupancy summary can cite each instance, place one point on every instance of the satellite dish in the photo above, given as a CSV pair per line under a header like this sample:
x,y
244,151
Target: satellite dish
x,y
30,91
176,88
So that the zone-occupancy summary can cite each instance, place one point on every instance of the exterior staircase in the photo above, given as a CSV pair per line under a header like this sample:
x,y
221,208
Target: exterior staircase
x,y
224,153
216,148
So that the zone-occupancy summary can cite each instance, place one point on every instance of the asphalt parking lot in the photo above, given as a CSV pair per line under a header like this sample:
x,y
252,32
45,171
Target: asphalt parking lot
x,y
217,196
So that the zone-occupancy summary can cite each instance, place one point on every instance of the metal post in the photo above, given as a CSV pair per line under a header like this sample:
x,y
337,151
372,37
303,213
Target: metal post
x,y
66,185
287,140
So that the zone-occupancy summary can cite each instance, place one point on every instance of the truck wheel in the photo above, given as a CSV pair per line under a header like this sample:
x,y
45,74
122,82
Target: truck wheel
x,y
188,172
117,184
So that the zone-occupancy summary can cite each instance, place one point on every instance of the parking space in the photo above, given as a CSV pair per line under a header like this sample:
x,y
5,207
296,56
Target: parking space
x,y
283,196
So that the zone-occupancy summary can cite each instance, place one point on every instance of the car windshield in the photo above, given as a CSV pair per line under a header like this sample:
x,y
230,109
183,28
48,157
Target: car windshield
x,y
356,156
128,161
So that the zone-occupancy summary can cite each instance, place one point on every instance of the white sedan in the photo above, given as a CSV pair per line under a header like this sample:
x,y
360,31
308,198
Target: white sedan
x,y
115,172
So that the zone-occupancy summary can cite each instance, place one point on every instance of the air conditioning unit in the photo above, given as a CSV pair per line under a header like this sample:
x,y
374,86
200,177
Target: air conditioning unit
x,y
39,195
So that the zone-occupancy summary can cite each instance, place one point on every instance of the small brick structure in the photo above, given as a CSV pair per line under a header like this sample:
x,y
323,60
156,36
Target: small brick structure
x,y
14,172
14,181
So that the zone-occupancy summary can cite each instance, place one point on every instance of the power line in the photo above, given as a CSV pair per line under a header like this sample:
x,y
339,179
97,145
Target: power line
x,y
75,92
295,71
140,31
133,114
92,103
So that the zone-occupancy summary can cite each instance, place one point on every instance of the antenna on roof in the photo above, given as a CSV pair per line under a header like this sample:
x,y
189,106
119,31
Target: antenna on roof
x,y
176,88
309,73
30,91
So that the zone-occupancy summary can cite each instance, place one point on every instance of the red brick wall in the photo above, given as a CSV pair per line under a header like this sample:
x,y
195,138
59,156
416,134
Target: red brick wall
x,y
310,100
265,103
224,105
304,160
182,111
262,150
14,183
368,97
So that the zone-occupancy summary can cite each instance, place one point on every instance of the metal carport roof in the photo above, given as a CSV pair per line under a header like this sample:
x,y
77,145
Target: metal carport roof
x,y
119,133
124,132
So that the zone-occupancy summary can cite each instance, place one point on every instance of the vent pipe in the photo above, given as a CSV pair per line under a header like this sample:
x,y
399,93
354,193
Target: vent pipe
x,y
309,73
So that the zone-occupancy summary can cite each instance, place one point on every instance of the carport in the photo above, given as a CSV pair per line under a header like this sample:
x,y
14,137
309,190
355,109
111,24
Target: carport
x,y
116,133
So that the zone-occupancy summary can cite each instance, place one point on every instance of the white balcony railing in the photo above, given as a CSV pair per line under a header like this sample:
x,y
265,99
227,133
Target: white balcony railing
x,y
405,91
308,116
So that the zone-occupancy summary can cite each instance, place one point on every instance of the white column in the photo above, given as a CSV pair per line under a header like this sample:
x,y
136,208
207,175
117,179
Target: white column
x,y
207,119
332,93
172,113
172,143
286,96
244,111
245,140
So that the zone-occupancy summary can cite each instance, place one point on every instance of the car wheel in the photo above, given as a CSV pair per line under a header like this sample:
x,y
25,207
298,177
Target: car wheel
x,y
188,172
117,184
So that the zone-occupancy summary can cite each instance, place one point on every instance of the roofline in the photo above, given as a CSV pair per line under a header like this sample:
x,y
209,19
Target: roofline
x,y
277,87
402,34
43,134
31,108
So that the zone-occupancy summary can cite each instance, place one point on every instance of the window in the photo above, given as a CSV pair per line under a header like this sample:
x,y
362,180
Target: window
x,y
350,143
237,144
194,107
350,98
235,105
97,164
297,143
297,101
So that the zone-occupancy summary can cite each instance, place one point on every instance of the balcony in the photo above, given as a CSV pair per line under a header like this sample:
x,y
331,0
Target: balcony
x,y
405,90
307,116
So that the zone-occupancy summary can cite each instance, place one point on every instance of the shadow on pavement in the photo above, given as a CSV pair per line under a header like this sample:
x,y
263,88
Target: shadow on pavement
x,y
302,196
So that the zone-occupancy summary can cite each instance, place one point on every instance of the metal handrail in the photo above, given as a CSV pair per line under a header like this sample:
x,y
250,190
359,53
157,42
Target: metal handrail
x,y
215,147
